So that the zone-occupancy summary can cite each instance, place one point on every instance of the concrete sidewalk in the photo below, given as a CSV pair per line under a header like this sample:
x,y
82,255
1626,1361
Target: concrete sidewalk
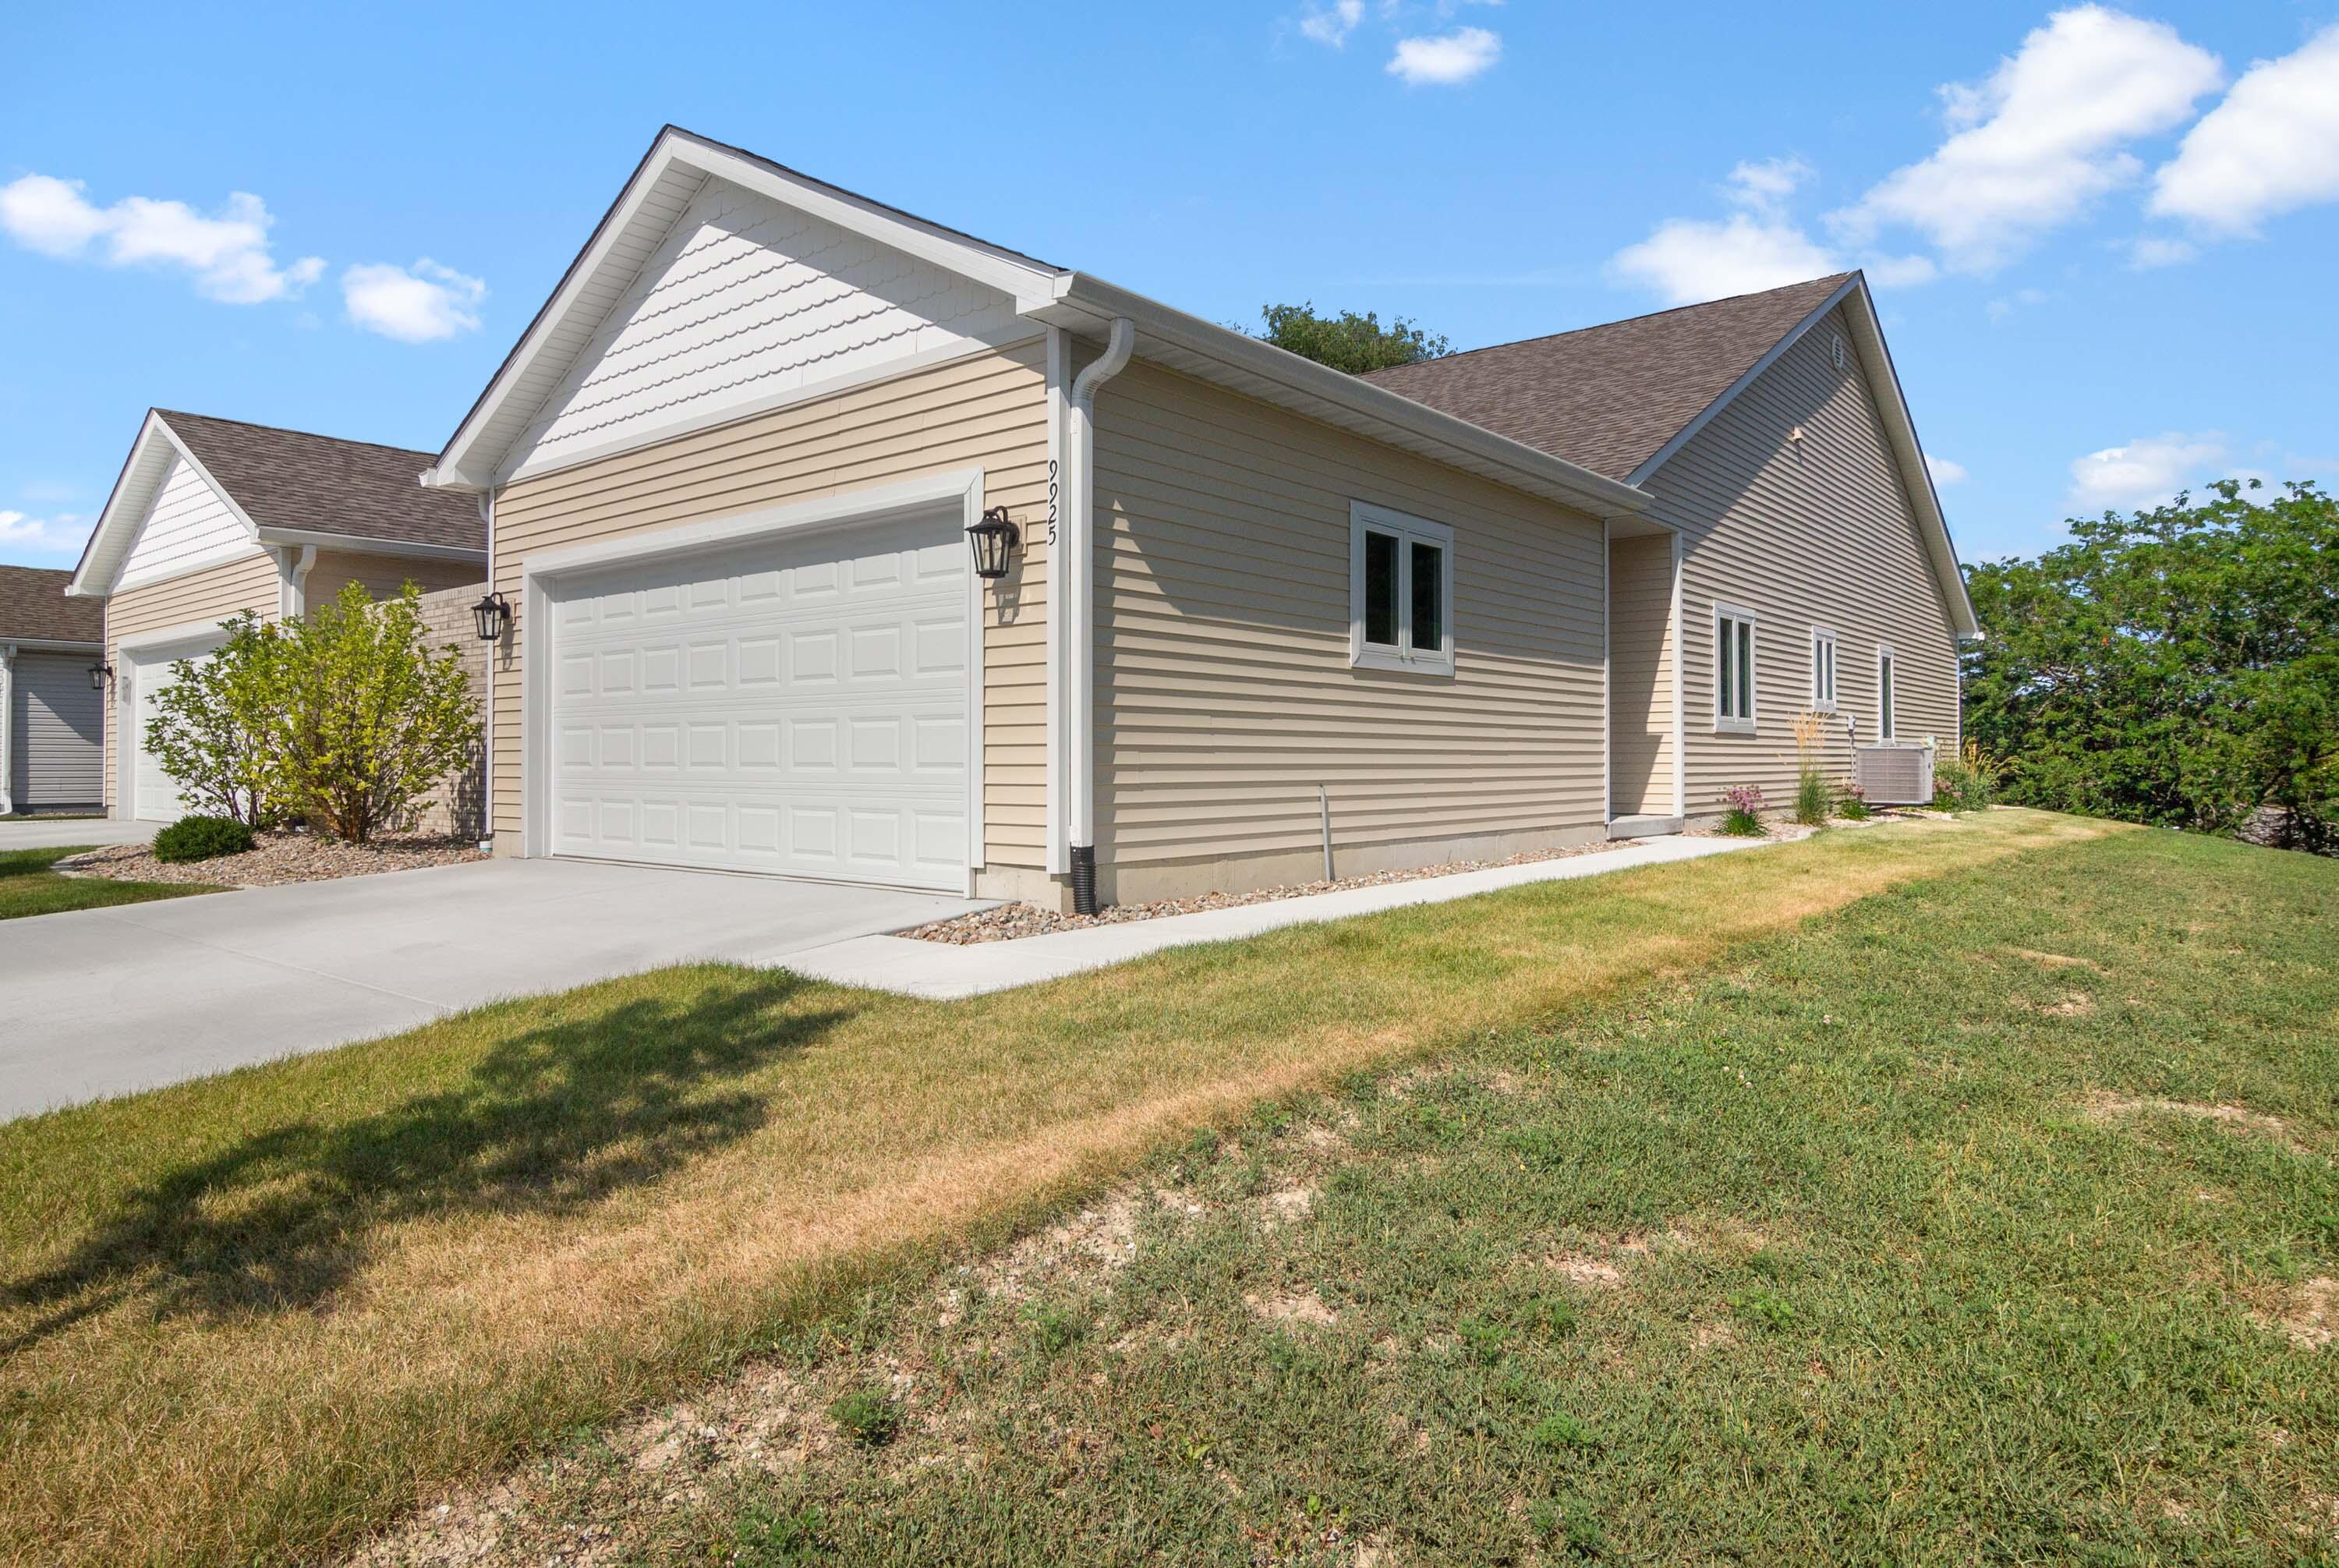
x,y
57,832
945,972
104,1002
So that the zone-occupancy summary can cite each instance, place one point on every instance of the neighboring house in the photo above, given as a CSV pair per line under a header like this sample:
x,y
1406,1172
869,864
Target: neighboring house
x,y
213,518
52,715
1264,616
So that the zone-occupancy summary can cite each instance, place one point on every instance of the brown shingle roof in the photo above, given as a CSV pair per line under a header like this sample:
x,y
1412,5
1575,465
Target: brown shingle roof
x,y
1610,397
32,604
321,484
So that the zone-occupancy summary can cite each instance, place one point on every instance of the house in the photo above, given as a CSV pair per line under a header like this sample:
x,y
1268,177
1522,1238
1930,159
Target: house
x,y
212,518
51,713
1261,619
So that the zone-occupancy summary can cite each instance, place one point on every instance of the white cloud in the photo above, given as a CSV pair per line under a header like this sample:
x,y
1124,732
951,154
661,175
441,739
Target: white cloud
x,y
227,253
413,304
2272,146
1900,272
1447,60
1945,472
2145,472
2150,252
2041,138
60,534
1331,24
1686,260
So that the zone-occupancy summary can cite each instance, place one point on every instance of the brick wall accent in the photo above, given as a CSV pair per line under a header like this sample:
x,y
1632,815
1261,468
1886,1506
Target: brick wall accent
x,y
457,807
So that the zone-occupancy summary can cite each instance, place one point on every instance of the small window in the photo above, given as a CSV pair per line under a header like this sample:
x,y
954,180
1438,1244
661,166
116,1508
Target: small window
x,y
1733,670
1884,729
1823,670
1401,596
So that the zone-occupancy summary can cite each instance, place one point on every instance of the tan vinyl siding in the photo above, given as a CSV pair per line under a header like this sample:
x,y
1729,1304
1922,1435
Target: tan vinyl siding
x,y
200,597
1812,533
383,576
1224,694
1641,670
988,411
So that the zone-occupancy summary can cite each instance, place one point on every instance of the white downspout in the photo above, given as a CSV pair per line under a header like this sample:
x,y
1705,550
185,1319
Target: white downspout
x,y
488,697
1077,556
7,730
293,587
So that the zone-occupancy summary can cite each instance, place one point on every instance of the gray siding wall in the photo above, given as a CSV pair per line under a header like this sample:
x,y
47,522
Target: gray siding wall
x,y
1641,672
1815,532
56,733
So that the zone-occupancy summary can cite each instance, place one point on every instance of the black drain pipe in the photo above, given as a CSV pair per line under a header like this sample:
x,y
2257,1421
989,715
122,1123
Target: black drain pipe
x,y
1084,898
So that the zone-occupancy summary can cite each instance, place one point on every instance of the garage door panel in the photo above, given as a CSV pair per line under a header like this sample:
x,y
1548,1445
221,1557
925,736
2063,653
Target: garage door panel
x,y
798,707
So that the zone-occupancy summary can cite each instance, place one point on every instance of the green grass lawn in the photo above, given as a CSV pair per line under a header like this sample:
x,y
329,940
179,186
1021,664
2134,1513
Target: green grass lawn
x,y
27,885
256,1318
1987,1220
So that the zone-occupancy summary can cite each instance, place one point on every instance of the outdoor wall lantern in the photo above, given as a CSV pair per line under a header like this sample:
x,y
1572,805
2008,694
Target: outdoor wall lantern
x,y
993,539
493,614
98,675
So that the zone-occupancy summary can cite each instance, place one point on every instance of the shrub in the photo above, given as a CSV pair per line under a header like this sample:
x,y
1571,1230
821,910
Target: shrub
x,y
1967,782
1745,818
201,838
867,1415
208,729
1851,802
1813,798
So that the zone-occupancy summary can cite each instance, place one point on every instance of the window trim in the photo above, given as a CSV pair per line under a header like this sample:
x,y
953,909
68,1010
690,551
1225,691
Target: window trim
x,y
1747,724
1888,693
1401,657
1825,702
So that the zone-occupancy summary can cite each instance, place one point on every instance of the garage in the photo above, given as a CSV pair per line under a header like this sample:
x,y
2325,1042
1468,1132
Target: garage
x,y
797,706
154,795
56,733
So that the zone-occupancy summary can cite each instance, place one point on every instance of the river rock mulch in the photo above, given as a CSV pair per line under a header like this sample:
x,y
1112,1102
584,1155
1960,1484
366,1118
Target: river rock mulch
x,y
278,858
1012,920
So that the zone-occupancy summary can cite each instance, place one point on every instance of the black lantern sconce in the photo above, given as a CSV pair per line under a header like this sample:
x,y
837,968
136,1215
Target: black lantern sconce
x,y
993,539
493,614
99,676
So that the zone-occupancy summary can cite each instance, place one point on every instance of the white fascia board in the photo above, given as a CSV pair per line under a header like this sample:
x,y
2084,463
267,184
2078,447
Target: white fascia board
x,y
1089,303
126,507
364,544
462,467
166,636
1900,429
50,645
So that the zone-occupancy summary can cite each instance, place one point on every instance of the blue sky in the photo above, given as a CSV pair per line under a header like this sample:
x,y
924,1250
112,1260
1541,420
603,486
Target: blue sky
x,y
2104,238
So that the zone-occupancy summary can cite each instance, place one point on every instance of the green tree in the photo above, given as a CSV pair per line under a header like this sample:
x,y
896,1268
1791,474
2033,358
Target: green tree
x,y
1348,342
2178,666
210,728
369,720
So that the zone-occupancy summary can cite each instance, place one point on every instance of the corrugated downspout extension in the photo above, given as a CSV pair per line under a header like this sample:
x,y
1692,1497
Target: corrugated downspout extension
x,y
1084,898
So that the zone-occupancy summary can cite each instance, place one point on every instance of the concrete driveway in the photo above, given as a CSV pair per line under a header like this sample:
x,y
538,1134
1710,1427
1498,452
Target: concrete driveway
x,y
103,1001
56,831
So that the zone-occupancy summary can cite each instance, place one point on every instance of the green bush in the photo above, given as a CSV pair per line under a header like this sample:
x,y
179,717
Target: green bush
x,y
1965,783
201,838
1814,798
1743,818
867,1415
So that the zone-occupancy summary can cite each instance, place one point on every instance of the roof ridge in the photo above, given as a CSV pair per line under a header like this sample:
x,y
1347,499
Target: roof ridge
x,y
289,430
1836,278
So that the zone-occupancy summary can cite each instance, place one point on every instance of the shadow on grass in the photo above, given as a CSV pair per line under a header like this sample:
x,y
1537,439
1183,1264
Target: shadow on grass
x,y
548,1121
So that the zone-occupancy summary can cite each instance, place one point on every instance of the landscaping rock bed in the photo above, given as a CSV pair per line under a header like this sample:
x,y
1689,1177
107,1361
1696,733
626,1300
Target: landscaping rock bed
x,y
279,858
1012,920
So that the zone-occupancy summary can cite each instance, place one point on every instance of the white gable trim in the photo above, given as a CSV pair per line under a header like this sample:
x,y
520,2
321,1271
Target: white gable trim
x,y
128,508
676,169
1900,430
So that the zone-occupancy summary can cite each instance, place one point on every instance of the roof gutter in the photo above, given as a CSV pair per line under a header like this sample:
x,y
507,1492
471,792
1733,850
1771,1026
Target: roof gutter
x,y
1082,301
371,544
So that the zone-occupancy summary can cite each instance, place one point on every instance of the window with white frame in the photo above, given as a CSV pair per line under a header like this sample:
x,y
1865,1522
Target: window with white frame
x,y
1883,691
1823,670
1733,670
1400,591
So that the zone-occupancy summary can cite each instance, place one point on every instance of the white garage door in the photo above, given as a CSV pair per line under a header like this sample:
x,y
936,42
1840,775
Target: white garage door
x,y
155,794
797,706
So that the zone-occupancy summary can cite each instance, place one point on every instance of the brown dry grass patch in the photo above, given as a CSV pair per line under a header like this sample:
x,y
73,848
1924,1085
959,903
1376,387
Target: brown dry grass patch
x,y
255,1317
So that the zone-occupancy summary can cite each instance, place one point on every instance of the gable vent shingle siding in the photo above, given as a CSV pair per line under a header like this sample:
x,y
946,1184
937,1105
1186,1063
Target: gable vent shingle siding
x,y
1610,397
323,484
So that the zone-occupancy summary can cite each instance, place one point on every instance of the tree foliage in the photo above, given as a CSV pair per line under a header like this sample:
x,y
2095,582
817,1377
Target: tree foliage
x,y
344,718
1348,342
2178,666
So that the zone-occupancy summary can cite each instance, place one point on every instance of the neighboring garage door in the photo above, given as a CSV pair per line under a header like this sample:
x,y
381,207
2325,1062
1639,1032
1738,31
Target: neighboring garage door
x,y
154,795
798,706
57,733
